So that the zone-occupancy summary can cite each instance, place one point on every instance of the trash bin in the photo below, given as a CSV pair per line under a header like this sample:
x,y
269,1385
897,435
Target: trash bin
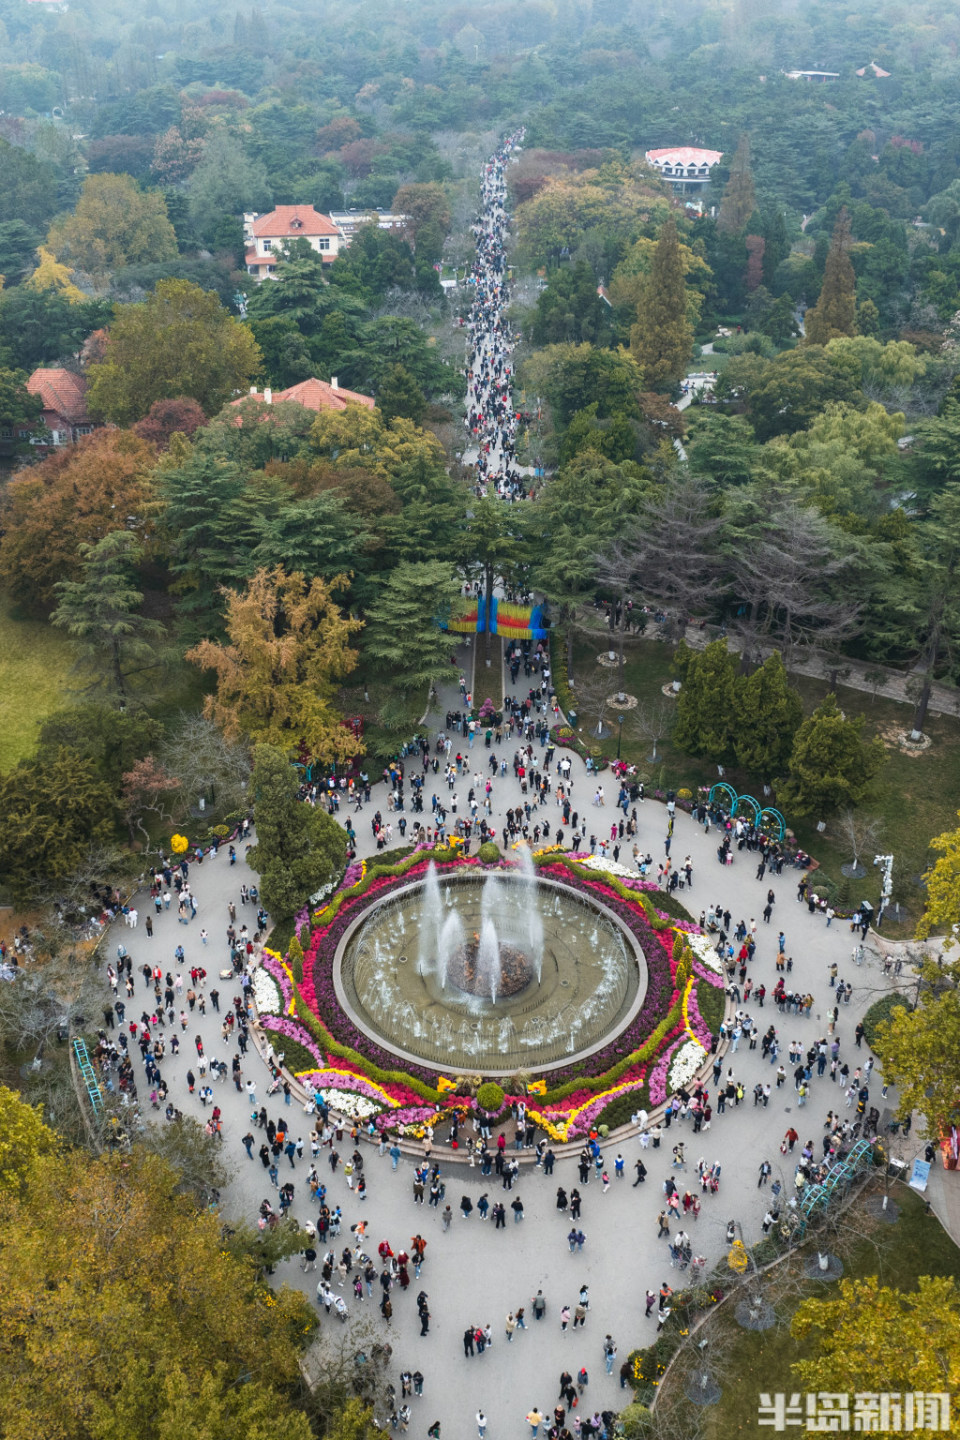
x,y
572,719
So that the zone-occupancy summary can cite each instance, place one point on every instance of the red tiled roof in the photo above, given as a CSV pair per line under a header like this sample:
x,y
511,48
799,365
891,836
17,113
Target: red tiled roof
x,y
289,221
63,392
684,155
316,395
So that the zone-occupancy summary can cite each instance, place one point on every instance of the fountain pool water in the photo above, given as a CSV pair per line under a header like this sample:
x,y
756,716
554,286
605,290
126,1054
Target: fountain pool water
x,y
489,973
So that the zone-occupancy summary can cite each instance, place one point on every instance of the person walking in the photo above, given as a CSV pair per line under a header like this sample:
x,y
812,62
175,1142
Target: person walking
x,y
481,1424
534,1420
609,1353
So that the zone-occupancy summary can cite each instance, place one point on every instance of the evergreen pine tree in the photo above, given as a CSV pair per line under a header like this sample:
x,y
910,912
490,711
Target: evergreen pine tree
x,y
103,610
830,764
299,847
768,713
662,338
404,638
706,705
835,313
739,198
777,246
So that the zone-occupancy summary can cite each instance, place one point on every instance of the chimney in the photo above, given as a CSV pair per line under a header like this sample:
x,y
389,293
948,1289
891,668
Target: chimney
x,y
267,395
333,383
253,390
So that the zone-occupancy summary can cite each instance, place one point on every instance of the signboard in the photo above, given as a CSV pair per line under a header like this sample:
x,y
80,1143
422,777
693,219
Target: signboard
x,y
920,1175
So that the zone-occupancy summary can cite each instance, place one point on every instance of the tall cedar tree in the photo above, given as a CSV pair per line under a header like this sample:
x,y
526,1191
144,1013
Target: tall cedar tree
x,y
835,313
706,705
404,635
830,764
299,848
739,198
662,338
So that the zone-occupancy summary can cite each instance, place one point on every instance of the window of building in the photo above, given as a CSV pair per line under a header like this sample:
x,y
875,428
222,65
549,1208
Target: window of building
x,y
324,242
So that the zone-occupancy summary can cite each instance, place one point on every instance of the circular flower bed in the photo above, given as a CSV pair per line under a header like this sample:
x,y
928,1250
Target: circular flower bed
x,y
650,1057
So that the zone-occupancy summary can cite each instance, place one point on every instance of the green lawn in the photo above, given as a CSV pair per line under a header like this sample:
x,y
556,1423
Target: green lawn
x,y
916,797
916,1245
35,665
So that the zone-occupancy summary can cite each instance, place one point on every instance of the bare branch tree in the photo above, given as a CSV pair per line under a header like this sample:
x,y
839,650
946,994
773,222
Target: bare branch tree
x,y
863,834
674,549
653,722
795,580
207,766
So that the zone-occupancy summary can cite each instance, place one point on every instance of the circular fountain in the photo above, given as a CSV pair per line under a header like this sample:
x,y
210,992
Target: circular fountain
x,y
490,972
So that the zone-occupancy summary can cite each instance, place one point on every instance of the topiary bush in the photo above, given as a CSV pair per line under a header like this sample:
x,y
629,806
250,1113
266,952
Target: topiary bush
x,y
490,1097
489,852
295,956
880,1012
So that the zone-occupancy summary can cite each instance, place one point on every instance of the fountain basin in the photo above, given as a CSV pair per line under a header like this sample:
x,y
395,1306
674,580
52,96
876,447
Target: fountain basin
x,y
585,980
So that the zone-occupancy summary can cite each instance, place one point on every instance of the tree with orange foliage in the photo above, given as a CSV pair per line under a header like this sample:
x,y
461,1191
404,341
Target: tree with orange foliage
x,y
74,497
277,676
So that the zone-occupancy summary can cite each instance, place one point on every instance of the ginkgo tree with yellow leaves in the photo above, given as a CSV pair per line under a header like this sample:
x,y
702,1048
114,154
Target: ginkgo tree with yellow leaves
x,y
277,675
871,1338
123,1312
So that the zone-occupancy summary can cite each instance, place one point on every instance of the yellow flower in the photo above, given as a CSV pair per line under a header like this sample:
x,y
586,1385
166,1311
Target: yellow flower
x,y
179,843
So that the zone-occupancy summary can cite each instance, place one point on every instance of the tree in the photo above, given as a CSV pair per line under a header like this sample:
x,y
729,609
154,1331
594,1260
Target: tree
x,y
179,342
28,186
616,572
768,714
916,1045
830,764
147,790
789,392
673,521
739,197
403,633
299,848
23,1139
205,767
796,573
429,212
113,739
652,721
401,395
226,182
706,705
661,340
42,327
114,224
835,313
942,912
493,542
920,597
861,831
277,677
103,609
76,496
167,418
54,806
209,1351
19,409
871,1338
51,275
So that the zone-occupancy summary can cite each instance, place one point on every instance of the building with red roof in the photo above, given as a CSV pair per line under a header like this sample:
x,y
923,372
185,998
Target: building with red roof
x,y
684,166
265,235
64,396
312,394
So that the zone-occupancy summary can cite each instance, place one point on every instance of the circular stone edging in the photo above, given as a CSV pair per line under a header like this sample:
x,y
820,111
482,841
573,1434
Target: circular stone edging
x,y
633,947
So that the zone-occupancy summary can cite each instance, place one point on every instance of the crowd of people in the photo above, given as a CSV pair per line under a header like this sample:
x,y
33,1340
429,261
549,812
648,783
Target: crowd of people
x,y
491,419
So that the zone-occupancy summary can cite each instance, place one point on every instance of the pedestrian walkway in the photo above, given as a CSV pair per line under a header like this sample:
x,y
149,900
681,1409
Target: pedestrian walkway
x,y
475,1274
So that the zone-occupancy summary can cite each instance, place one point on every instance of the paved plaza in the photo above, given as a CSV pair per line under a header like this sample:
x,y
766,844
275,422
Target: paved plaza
x,y
473,1274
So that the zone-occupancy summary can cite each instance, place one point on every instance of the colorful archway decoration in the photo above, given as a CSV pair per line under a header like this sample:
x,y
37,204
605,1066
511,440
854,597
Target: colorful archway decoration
x,y
765,817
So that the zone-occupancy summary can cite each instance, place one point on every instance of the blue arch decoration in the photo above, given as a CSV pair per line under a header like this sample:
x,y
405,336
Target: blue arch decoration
x,y
743,800
723,791
765,817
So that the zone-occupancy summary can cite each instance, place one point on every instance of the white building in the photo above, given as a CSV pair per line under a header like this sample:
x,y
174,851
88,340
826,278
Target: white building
x,y
686,167
265,235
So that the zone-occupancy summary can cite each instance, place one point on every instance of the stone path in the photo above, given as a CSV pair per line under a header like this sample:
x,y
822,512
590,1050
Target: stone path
x,y
474,1275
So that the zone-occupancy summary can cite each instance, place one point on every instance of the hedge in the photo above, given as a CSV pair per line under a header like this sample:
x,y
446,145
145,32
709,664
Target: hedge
x,y
711,1002
880,1012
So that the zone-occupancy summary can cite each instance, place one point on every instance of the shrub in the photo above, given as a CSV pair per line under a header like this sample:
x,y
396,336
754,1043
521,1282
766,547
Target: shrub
x,y
684,794
880,1012
489,852
620,1109
490,1097
636,1421
295,956
711,1002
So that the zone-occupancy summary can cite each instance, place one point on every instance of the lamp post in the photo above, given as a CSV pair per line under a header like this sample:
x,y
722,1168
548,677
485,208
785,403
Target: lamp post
x,y
619,733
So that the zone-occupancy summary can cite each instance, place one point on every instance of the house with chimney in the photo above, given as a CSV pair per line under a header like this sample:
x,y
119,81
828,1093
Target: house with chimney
x,y
64,397
265,235
312,394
